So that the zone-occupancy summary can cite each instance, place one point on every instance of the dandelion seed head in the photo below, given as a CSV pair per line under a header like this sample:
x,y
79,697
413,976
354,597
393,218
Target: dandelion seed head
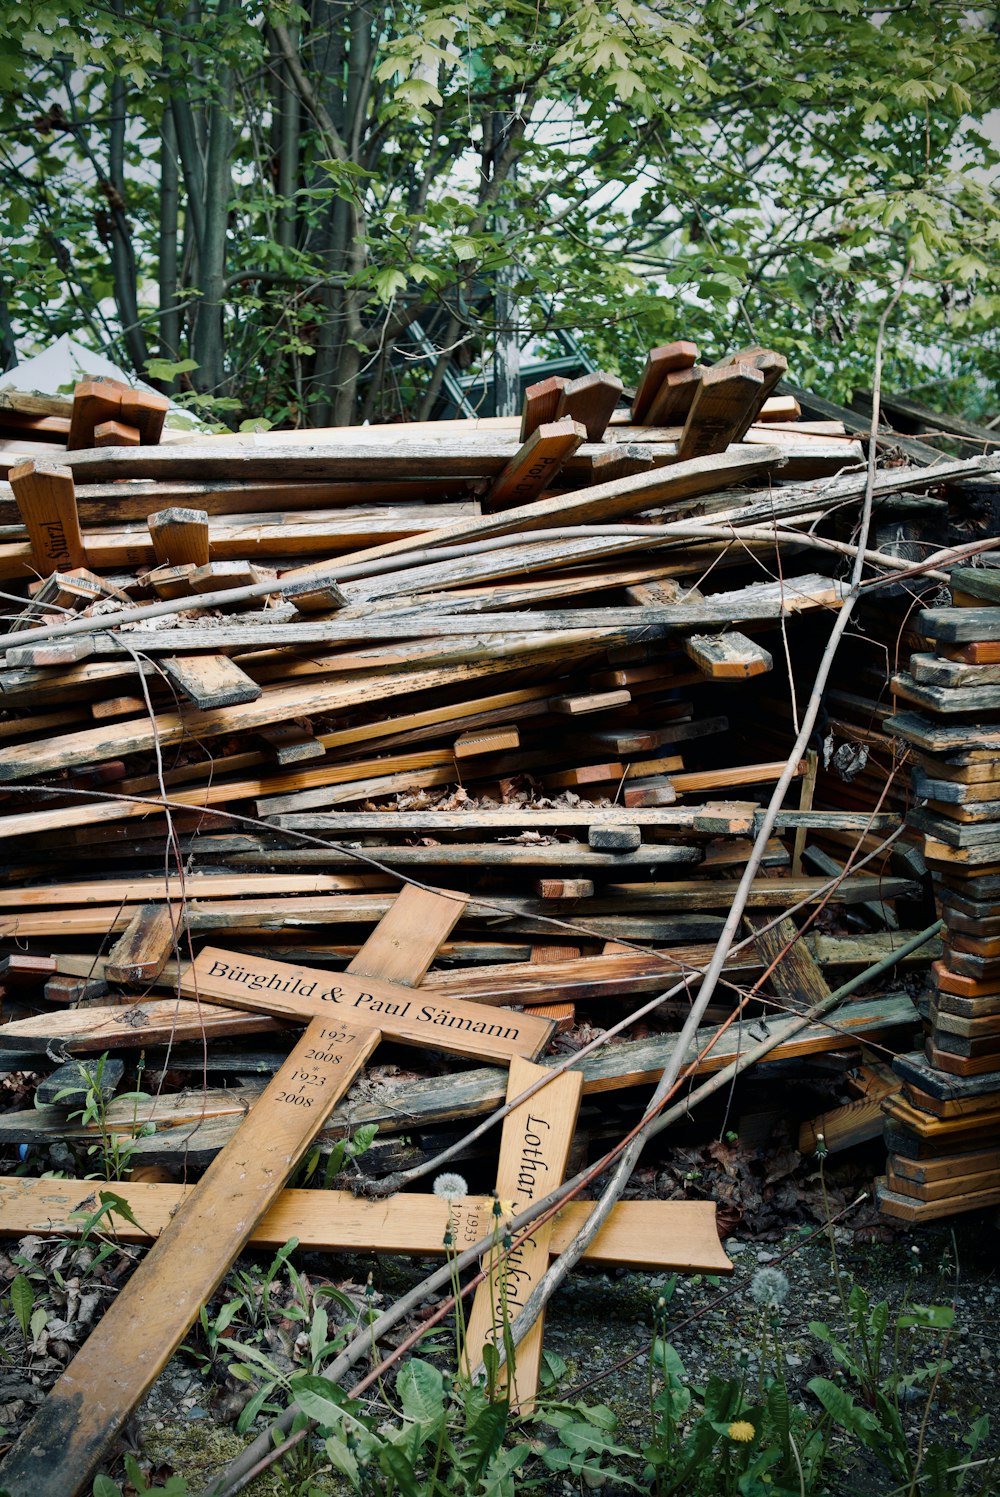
x,y
742,1431
450,1186
769,1288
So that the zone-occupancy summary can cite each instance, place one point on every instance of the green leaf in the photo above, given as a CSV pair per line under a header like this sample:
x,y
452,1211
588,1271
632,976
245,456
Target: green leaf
x,y
105,1487
318,1399
166,370
22,1300
387,283
420,1388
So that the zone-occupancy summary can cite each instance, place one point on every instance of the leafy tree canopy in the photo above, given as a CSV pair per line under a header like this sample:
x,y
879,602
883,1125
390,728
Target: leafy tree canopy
x,y
290,212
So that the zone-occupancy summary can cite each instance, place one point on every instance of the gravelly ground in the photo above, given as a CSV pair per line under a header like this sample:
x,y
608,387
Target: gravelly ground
x,y
601,1326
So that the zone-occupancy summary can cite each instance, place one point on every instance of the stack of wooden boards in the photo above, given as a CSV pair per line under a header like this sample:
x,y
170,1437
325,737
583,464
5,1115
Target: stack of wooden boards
x,y
943,1131
258,681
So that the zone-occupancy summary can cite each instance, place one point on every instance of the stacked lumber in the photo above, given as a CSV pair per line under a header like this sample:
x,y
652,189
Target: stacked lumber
x,y
254,686
943,1130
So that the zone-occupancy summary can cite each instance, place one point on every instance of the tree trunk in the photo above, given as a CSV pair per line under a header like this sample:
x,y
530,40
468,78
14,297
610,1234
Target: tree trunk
x,y
209,340
170,317
123,265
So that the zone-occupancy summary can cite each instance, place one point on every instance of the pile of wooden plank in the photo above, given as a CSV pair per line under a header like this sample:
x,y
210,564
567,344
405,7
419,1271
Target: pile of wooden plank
x,y
252,685
943,1129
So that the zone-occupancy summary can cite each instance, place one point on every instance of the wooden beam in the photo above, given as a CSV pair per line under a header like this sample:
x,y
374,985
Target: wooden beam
x,y
46,500
591,401
661,361
211,680
638,1234
534,466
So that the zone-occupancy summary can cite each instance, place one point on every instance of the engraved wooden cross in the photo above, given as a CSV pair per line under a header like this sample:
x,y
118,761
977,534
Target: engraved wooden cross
x,y
64,1443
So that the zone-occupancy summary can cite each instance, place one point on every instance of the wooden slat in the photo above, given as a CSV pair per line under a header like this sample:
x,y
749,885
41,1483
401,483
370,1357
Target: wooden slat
x,y
541,402
180,537
724,405
729,656
145,946
660,362
534,1149
211,680
590,400
534,467
640,1234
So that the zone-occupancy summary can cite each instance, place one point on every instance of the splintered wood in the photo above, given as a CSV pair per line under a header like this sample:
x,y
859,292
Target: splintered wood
x,y
254,686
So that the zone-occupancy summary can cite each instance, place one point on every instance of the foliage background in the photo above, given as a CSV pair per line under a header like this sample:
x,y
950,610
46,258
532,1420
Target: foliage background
x,y
301,214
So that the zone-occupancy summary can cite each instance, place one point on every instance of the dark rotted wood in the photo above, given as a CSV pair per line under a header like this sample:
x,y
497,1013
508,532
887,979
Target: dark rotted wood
x,y
953,792
913,1066
617,839
146,944
796,980
956,834
69,1085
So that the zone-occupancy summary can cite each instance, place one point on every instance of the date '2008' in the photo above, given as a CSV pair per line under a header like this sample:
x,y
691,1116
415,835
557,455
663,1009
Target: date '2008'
x,y
306,1078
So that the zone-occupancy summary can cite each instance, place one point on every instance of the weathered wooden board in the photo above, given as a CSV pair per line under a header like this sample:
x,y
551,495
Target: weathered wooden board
x,y
146,944
534,1149
639,1234
957,626
211,680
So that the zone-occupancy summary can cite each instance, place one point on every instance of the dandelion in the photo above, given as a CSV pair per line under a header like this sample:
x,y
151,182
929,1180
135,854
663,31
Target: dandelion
x,y
450,1186
769,1288
742,1431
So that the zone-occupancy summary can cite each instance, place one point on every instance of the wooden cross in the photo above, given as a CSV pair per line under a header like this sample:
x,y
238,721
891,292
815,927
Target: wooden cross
x,y
534,1149
62,1446
638,1234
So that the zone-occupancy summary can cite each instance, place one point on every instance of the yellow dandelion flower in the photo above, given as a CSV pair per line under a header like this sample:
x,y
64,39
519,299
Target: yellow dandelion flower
x,y
742,1431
